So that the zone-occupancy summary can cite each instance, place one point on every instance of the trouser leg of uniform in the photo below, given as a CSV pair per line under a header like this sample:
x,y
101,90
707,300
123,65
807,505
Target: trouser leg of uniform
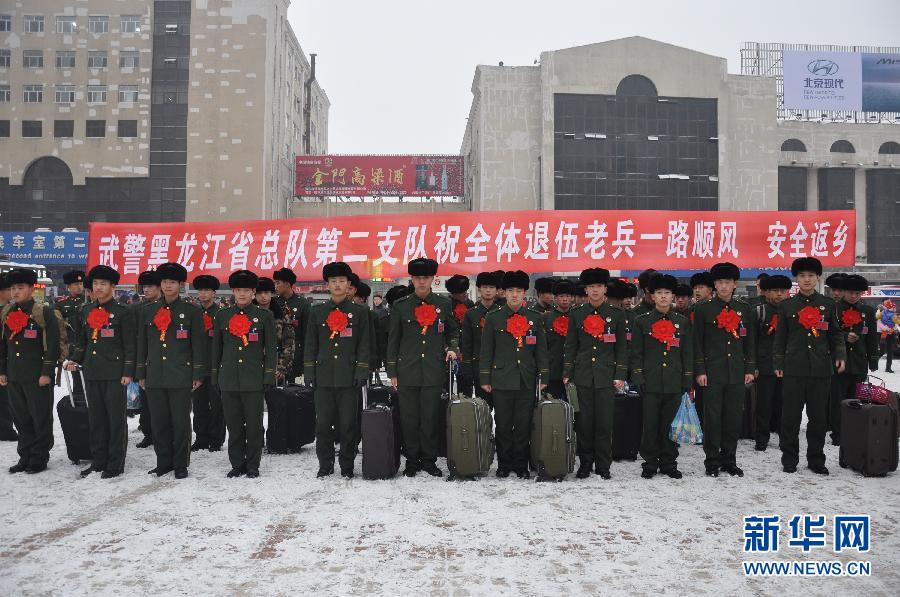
x,y
326,421
557,389
180,407
650,444
216,429
252,404
777,406
523,411
816,394
200,400
765,402
604,412
40,410
348,423
713,395
145,421
791,415
24,423
503,423
233,408
732,419
7,431
585,423
117,413
668,450
99,420
158,400
410,414
429,424
698,403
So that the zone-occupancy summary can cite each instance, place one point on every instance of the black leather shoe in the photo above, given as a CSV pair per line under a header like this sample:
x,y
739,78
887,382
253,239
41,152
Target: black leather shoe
x,y
144,443
819,469
584,471
647,474
605,475
733,470
87,471
789,468
38,468
324,472
196,446
20,467
433,470
347,474
160,471
181,473
252,474
712,471
673,474
109,474
235,472
523,474
502,473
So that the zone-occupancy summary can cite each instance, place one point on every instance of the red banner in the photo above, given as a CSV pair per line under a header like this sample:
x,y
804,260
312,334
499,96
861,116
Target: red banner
x,y
379,175
471,242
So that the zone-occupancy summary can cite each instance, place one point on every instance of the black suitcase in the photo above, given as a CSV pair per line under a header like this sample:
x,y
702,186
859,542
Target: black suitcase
x,y
378,394
380,439
628,424
301,416
868,438
75,423
748,423
277,427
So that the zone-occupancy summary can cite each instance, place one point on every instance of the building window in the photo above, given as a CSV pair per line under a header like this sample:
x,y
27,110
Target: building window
x,y
128,128
842,147
66,24
128,94
34,94
65,60
97,59
837,189
33,58
889,148
792,182
4,128
129,59
31,129
5,25
65,94
95,129
63,129
4,58
131,24
4,94
34,24
98,24
793,145
96,94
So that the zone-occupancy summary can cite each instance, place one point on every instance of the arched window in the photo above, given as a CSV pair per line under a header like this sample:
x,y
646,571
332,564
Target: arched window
x,y
793,145
889,148
636,85
842,147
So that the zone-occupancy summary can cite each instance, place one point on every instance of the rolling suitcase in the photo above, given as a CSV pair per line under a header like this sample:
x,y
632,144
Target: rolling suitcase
x,y
300,408
748,423
470,440
277,424
552,438
379,394
73,418
868,438
628,424
380,439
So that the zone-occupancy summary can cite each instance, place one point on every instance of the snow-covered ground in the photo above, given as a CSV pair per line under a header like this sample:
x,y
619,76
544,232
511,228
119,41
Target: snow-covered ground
x,y
289,533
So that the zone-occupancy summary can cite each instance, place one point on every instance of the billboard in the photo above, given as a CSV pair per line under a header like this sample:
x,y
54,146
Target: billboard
x,y
45,248
471,242
379,175
842,81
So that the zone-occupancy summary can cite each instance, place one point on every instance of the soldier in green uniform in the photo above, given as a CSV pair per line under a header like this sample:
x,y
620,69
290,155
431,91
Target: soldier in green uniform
x,y
760,298
580,295
683,295
284,331
543,288
296,309
513,356
768,387
595,359
29,352
703,288
7,431
617,292
70,306
170,365
383,320
857,322
501,295
363,292
487,284
662,366
458,288
724,361
422,338
556,325
244,352
148,282
808,348
104,337
646,304
337,365
209,418
835,284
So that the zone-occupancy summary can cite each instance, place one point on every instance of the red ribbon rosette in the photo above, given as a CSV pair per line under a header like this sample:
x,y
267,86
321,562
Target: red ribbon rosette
x,y
337,322
161,320
517,326
561,325
481,323
728,320
16,322
460,311
664,331
207,322
239,326
97,319
594,325
809,318
426,315
850,318
773,325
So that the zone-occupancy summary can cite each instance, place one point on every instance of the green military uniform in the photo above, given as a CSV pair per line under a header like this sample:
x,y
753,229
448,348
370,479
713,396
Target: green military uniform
x,y
70,307
145,421
169,362
768,385
416,357
296,309
641,308
106,355
593,364
556,344
470,349
337,365
511,367
242,367
807,360
862,357
25,356
374,360
724,357
664,371
209,417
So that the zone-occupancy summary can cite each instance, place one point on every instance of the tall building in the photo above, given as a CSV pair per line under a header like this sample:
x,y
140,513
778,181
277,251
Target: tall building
x,y
636,124
151,110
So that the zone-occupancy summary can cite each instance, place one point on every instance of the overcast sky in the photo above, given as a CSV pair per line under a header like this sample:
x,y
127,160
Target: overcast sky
x,y
399,72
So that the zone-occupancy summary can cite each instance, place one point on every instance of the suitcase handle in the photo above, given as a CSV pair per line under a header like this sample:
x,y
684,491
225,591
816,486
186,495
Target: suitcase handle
x,y
868,377
69,379
854,404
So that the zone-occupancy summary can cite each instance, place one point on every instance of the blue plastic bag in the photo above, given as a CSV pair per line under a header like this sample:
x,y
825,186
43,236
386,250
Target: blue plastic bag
x,y
134,396
686,424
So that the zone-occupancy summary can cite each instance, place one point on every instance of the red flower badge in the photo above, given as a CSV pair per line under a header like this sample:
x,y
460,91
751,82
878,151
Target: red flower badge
x,y
16,322
809,318
773,325
337,322
96,320
728,320
207,322
561,325
517,325
161,320
850,318
239,326
481,323
460,311
594,325
426,315
664,331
